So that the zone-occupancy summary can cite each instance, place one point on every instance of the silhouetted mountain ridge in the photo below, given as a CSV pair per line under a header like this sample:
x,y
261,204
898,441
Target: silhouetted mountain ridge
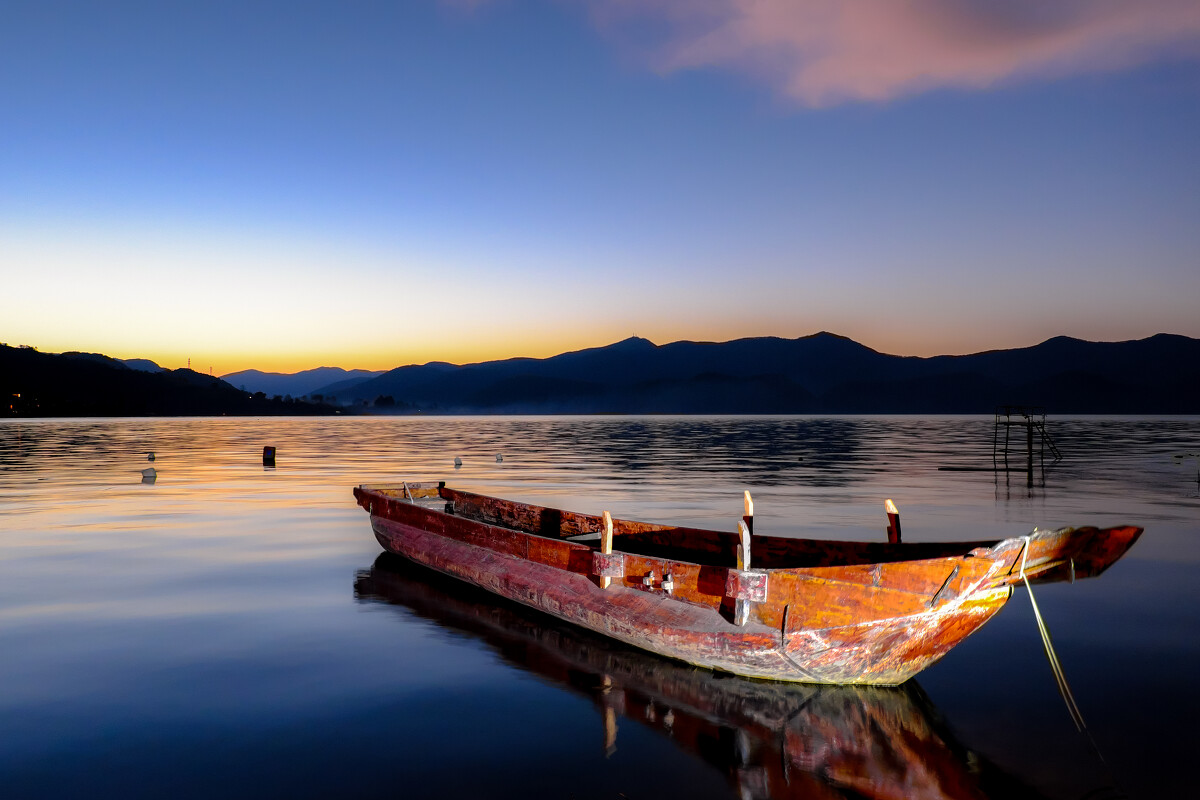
x,y
38,384
296,384
819,374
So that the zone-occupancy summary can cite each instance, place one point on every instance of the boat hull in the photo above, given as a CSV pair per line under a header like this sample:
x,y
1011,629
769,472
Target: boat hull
x,y
882,652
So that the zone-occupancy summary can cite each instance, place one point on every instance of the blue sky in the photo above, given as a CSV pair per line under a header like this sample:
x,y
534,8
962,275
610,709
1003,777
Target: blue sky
x,y
285,185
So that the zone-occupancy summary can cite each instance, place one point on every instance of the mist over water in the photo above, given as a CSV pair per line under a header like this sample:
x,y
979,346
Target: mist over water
x,y
225,630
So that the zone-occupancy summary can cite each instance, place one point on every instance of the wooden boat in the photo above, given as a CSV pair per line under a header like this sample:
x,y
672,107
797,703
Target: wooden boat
x,y
777,608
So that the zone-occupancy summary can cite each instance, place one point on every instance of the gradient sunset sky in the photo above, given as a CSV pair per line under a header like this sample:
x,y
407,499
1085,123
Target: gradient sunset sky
x,y
284,185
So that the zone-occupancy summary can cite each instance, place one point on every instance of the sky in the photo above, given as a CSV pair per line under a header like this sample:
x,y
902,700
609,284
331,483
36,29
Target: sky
x,y
286,185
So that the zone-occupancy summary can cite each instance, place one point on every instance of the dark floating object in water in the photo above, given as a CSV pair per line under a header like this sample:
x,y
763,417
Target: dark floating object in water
x,y
268,456
150,456
781,608
499,458
149,475
457,462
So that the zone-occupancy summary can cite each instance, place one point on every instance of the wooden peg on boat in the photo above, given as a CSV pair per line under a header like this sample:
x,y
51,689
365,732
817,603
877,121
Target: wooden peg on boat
x,y
743,549
893,528
606,536
748,517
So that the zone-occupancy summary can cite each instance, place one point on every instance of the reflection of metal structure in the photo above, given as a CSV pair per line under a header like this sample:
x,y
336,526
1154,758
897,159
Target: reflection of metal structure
x,y
771,740
781,608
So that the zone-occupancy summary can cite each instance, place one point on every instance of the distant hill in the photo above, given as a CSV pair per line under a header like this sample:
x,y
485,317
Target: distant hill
x,y
297,384
143,364
818,374
87,384
344,391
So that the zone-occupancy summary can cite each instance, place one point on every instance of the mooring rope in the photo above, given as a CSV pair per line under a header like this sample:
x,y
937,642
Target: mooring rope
x,y
1055,666
1060,678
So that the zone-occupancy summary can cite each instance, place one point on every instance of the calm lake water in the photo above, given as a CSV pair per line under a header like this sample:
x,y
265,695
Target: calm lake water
x,y
229,630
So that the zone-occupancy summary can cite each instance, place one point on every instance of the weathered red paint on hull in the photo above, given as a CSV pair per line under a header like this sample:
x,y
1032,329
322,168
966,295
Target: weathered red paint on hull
x,y
687,632
822,621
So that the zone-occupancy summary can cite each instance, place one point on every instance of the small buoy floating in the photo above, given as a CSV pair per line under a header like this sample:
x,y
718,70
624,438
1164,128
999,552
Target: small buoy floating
x,y
149,475
150,456
499,458
457,462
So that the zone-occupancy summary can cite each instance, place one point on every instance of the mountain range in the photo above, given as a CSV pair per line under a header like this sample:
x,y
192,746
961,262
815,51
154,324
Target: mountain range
x,y
299,384
819,374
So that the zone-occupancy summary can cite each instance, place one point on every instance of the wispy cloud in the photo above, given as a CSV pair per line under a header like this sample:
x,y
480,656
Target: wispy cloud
x,y
824,52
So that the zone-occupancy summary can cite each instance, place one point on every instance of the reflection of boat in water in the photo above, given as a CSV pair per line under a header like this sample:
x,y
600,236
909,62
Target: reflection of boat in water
x,y
771,740
772,607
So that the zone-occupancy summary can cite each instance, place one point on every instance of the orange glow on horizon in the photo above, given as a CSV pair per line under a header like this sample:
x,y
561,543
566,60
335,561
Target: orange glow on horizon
x,y
379,357
293,347
227,359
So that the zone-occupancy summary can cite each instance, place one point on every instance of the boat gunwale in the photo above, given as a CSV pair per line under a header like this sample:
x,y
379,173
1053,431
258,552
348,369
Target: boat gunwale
x,y
849,553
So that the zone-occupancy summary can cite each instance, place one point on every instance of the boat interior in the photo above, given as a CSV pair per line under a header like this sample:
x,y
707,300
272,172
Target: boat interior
x,y
693,545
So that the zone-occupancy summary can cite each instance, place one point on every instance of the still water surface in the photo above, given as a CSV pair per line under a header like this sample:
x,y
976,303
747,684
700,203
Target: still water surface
x,y
229,630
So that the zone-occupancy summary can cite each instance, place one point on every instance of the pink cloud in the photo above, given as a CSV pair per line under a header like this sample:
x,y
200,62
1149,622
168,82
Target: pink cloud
x,y
824,52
